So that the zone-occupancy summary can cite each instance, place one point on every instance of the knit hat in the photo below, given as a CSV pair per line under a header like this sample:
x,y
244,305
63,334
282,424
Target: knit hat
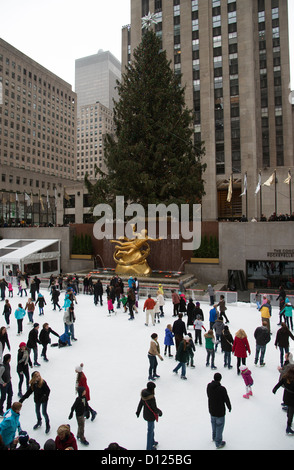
x,y
242,368
79,368
22,345
50,445
187,338
23,437
35,325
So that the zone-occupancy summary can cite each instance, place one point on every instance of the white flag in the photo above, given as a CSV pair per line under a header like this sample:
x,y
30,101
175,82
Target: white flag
x,y
55,196
245,185
48,201
271,180
288,180
258,184
28,199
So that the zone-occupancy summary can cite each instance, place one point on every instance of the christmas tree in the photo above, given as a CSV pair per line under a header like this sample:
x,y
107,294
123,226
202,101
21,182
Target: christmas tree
x,y
152,158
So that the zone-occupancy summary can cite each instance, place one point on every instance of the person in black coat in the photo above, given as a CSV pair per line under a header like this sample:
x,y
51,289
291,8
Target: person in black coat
x,y
55,298
218,400
287,382
82,410
179,329
262,337
227,342
45,339
98,292
38,387
191,313
150,413
33,341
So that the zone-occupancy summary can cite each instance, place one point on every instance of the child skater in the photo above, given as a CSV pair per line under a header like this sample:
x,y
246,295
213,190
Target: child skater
x,y
168,340
198,325
110,306
81,409
247,377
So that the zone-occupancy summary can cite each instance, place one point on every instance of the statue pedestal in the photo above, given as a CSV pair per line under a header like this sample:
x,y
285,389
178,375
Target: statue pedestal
x,y
142,269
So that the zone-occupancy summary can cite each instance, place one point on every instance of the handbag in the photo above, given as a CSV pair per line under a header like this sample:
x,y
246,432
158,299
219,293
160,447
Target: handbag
x,y
155,414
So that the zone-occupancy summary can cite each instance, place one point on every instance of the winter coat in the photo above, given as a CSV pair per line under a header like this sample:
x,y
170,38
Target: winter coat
x,y
262,335
68,442
212,315
226,341
198,325
160,300
241,347
41,394
282,337
191,312
9,425
33,339
218,327
30,306
98,288
4,340
80,406
247,377
148,401
82,382
154,349
5,375
20,313
168,339
182,354
288,396
265,310
41,301
175,298
287,310
44,336
222,306
209,341
199,311
218,399
179,327
149,304
23,361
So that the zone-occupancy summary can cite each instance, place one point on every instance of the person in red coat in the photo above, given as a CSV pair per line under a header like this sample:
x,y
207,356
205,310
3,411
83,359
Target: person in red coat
x,y
65,440
241,348
82,382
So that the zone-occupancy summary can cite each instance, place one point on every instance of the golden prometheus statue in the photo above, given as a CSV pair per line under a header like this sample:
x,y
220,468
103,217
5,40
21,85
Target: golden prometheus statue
x,y
131,253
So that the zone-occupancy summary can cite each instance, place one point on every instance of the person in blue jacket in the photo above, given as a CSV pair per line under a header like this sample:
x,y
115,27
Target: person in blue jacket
x,y
213,316
168,340
11,424
19,314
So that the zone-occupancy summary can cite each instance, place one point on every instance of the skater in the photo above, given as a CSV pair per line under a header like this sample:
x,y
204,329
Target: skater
x,y
198,326
150,413
33,290
218,400
241,348
23,364
30,307
213,316
10,290
287,382
55,298
199,311
262,337
281,297
183,302
65,440
42,302
38,386
81,409
222,308
110,306
4,340
33,341
282,341
160,300
69,319
266,313
210,291
176,303
7,312
287,312
168,340
23,286
19,314
182,356
247,377
227,344
45,339
209,346
156,312
153,353
218,327
10,424
81,381
191,313
149,307
191,349
179,329
98,292
5,384
132,303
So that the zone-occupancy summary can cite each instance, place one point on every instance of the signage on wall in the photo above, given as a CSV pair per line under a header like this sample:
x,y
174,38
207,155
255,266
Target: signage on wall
x,y
281,253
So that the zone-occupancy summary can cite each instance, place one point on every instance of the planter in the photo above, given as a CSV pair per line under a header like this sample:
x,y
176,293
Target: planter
x,y
205,260
80,256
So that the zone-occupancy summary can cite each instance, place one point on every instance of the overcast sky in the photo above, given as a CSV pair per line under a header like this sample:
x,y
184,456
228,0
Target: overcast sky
x,y
55,33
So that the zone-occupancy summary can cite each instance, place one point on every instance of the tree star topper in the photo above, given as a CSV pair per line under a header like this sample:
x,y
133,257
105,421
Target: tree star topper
x,y
149,20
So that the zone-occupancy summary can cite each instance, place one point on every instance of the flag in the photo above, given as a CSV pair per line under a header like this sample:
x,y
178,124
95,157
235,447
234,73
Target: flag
x,y
245,185
27,199
48,200
258,184
66,196
55,196
271,180
230,190
41,202
16,197
288,179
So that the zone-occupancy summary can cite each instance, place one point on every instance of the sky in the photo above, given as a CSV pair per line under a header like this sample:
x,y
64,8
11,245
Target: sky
x,y
57,32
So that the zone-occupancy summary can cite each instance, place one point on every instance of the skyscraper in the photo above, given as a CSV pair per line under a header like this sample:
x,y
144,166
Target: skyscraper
x,y
233,56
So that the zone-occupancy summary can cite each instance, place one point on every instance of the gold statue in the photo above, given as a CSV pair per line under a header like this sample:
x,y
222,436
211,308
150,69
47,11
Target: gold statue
x,y
131,253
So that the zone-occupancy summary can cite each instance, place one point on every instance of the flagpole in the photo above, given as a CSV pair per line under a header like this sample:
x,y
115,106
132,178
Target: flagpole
x,y
246,199
260,197
275,191
290,192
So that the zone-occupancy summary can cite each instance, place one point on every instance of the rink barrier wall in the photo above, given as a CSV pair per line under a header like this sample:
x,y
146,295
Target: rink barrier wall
x,y
256,296
197,295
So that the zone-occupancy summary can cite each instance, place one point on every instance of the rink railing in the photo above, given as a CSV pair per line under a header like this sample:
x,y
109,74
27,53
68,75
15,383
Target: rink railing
x,y
258,296
197,295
